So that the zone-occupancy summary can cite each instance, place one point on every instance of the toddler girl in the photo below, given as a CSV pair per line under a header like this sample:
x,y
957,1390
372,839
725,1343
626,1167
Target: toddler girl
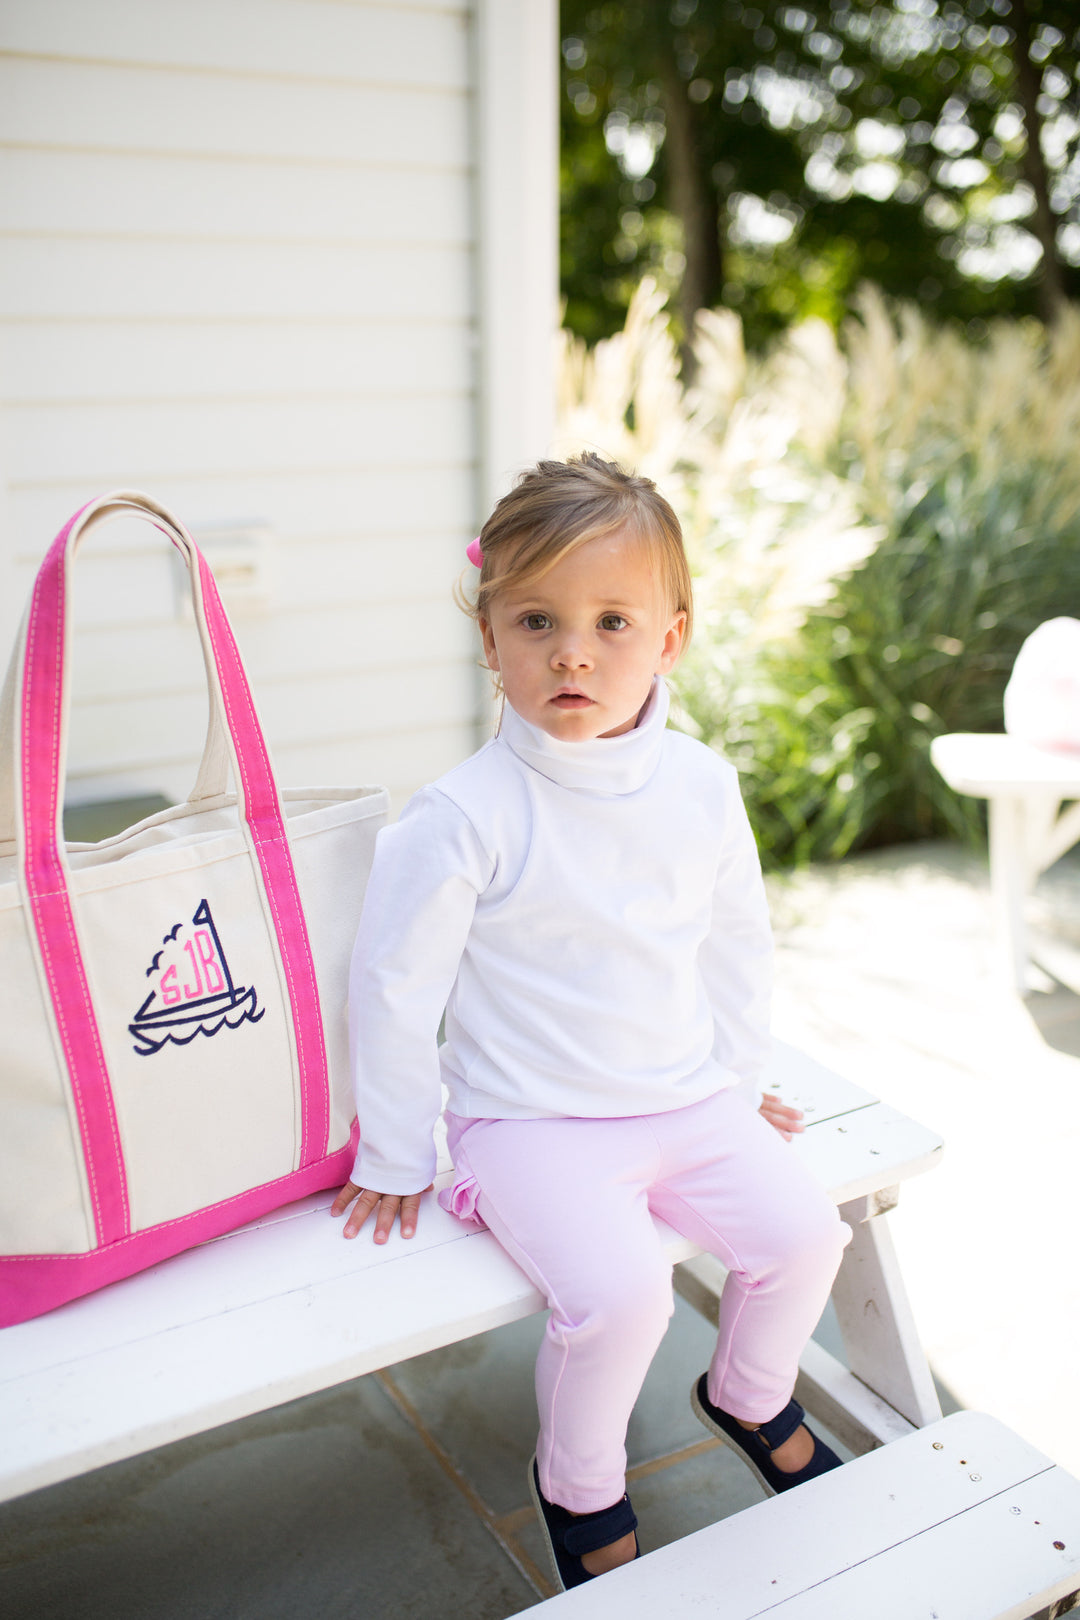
x,y
584,899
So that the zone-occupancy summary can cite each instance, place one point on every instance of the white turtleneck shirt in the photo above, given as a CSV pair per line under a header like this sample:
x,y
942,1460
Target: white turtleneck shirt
x,y
591,917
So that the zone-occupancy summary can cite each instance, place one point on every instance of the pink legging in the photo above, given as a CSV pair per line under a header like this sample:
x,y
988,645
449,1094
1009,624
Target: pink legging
x,y
570,1200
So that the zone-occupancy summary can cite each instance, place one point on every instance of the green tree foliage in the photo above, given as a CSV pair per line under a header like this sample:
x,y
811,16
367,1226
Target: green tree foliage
x,y
771,156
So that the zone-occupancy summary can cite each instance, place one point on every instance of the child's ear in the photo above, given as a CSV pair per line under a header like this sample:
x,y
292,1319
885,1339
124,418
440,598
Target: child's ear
x,y
672,644
491,652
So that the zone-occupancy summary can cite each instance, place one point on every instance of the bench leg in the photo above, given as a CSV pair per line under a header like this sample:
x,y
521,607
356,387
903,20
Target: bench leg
x,y
1009,885
875,1317
1026,836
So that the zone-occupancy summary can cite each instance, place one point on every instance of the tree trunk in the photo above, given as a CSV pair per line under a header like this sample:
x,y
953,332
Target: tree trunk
x,y
1051,282
693,198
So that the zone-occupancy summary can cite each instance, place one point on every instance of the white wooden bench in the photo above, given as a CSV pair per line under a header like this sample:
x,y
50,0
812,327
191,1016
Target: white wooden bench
x,y
961,1510
1026,788
285,1306
959,1521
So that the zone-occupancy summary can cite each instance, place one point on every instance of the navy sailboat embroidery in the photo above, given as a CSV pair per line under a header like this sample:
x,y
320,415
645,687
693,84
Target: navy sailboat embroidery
x,y
195,991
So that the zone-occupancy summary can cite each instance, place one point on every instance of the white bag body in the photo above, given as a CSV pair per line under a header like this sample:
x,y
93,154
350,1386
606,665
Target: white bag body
x,y
1042,699
173,1044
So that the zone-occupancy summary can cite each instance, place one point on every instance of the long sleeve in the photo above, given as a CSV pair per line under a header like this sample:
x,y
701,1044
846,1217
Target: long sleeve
x,y
736,959
427,872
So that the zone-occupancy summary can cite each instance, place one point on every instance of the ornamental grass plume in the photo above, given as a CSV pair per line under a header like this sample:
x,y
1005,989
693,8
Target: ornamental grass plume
x,y
768,528
921,397
623,398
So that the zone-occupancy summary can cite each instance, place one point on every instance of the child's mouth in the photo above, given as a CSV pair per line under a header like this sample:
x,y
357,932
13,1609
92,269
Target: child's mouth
x,y
571,700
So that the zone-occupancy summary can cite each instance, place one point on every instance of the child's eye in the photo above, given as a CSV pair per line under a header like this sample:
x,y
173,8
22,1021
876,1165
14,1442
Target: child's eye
x,y
536,621
612,621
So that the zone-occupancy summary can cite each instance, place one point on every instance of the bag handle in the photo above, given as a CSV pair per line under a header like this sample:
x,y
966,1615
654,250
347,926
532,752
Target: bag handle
x,y
212,779
37,700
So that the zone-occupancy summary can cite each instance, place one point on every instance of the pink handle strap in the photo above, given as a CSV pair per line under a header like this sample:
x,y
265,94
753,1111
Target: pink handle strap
x,y
41,723
262,812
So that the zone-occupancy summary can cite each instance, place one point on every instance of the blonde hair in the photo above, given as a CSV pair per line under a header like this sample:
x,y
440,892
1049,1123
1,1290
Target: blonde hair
x,y
557,506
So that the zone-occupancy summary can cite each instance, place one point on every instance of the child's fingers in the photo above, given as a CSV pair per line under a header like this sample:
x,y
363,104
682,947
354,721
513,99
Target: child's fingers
x,y
773,1108
779,1107
409,1207
384,1220
785,1120
406,1210
388,1205
344,1198
360,1211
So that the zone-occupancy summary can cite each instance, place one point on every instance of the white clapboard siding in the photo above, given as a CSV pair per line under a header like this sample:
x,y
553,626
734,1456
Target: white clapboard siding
x,y
141,585
139,194
327,641
110,278
363,502
237,250
167,728
105,361
398,43
113,444
113,591
140,107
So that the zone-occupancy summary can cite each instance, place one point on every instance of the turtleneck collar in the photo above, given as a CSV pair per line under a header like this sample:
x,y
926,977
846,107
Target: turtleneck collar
x,y
602,764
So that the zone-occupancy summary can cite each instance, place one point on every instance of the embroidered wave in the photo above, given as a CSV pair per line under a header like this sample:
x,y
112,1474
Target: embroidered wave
x,y
242,1008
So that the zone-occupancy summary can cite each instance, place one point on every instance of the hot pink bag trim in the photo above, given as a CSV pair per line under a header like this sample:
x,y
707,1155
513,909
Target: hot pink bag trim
x,y
35,1283
50,905
262,809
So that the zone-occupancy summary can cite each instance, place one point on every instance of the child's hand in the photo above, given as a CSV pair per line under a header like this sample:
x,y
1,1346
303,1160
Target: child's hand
x,y
389,1208
782,1118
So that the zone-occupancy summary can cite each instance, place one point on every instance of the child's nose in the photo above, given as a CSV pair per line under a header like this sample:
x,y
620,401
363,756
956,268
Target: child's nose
x,y
573,652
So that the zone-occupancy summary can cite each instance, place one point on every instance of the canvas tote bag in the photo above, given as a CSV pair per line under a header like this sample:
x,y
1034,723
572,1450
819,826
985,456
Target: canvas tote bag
x,y
173,1048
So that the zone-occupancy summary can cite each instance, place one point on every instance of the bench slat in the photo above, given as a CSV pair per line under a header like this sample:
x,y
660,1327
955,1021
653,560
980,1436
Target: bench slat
x,y
909,1532
129,1397
997,1561
805,1083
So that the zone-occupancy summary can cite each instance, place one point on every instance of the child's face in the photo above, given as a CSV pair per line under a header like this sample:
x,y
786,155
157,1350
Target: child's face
x,y
578,649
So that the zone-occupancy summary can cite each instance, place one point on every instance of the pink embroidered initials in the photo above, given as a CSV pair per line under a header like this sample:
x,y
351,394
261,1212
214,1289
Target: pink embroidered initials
x,y
194,993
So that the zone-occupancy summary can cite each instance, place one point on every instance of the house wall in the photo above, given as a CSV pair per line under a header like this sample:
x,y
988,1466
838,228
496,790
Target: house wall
x,y
239,269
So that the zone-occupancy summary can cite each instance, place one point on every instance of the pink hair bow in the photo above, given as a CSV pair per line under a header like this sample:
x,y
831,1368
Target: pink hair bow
x,y
474,554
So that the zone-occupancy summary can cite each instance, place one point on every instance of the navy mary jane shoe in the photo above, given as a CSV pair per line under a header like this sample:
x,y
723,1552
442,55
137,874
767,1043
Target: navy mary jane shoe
x,y
756,1446
570,1536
